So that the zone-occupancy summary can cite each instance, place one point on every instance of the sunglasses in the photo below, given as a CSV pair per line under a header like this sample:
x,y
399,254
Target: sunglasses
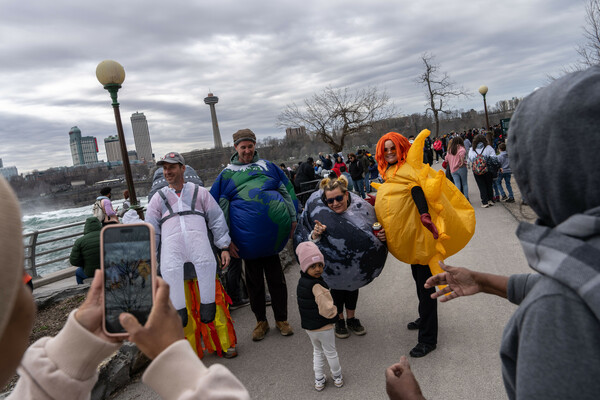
x,y
336,198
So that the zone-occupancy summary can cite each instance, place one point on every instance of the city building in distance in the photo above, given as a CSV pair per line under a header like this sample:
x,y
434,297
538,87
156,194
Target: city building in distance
x,y
141,137
113,148
7,172
84,149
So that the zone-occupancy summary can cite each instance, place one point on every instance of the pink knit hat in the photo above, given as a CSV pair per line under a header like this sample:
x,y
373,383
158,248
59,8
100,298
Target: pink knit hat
x,y
308,254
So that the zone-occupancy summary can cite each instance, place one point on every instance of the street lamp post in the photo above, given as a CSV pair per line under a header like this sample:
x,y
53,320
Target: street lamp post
x,y
111,75
483,91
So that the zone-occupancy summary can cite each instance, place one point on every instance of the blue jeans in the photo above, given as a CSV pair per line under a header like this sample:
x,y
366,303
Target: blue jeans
x,y
80,275
359,186
506,177
460,180
495,185
367,184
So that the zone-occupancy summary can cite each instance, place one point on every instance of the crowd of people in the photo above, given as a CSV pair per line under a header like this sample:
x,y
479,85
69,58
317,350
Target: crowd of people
x,y
550,347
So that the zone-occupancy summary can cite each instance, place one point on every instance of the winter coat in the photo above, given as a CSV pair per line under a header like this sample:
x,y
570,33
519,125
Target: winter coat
x,y
310,317
86,250
259,203
184,238
356,170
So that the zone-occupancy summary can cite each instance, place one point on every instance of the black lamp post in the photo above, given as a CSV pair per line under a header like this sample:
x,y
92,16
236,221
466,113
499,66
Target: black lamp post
x,y
483,90
111,75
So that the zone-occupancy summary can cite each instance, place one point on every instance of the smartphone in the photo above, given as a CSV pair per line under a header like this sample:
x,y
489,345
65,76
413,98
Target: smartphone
x,y
128,263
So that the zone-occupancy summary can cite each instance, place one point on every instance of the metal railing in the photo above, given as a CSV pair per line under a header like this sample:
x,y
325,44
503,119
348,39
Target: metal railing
x,y
32,244
306,189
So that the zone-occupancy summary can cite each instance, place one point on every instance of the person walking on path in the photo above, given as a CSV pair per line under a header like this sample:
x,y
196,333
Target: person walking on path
x,y
318,314
182,213
550,347
356,172
505,174
456,159
85,254
480,154
260,207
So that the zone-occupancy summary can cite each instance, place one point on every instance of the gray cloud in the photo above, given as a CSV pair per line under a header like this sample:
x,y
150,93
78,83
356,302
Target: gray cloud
x,y
256,56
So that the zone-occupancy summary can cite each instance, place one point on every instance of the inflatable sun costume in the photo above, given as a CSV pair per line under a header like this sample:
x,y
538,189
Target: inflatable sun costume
x,y
407,239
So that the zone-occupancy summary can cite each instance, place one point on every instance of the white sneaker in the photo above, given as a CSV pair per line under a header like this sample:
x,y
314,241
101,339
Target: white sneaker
x,y
320,384
485,205
338,381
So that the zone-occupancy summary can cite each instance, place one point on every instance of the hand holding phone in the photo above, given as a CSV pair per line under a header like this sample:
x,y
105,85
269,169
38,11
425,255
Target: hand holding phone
x,y
128,263
162,329
89,314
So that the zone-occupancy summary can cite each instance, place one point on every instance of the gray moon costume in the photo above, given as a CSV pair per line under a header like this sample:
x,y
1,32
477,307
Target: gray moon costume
x,y
353,254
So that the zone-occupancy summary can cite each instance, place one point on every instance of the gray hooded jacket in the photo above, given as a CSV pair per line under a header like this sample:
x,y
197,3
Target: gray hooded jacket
x,y
551,345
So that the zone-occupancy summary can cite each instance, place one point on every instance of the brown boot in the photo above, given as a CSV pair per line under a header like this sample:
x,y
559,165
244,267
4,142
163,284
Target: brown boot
x,y
259,332
284,327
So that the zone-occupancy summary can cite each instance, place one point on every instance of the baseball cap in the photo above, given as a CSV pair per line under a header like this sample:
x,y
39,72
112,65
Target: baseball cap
x,y
172,158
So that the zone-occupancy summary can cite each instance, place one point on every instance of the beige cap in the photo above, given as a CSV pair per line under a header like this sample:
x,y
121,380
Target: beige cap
x,y
11,252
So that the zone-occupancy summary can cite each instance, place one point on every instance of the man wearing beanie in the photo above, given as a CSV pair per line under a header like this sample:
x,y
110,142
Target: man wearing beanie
x,y
318,314
66,366
260,206
551,345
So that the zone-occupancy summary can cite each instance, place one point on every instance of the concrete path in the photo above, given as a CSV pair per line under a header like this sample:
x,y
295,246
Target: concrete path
x,y
466,364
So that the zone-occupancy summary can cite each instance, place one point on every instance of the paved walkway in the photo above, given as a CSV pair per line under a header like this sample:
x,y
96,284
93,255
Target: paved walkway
x,y
466,364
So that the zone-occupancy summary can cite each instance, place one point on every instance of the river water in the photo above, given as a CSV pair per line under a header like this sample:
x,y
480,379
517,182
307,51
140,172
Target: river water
x,y
51,219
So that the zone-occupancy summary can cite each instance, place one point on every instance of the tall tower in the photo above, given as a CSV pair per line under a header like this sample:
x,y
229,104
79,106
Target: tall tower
x,y
141,137
211,100
75,144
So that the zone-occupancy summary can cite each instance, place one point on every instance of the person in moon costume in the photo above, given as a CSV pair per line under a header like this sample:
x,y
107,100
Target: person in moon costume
x,y
341,225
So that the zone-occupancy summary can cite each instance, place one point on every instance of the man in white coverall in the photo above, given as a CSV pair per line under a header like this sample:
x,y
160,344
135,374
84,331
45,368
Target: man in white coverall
x,y
181,214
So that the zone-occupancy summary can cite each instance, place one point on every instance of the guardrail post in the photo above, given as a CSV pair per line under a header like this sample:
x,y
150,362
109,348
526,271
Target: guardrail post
x,y
30,266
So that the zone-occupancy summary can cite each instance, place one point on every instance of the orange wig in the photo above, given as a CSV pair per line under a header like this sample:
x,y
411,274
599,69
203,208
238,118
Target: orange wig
x,y
402,145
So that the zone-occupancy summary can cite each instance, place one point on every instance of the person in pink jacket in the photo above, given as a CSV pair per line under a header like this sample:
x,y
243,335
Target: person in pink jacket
x,y
456,159
65,366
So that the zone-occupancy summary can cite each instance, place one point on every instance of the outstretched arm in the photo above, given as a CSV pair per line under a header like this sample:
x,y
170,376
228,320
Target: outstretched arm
x,y
421,202
464,282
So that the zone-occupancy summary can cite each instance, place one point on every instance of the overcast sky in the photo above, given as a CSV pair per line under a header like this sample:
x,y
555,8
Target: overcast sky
x,y
256,56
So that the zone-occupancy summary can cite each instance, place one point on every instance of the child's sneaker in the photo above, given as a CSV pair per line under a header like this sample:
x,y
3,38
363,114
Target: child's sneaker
x,y
338,381
320,383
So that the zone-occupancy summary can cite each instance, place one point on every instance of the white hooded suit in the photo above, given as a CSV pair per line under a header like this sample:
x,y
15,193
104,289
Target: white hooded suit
x,y
182,236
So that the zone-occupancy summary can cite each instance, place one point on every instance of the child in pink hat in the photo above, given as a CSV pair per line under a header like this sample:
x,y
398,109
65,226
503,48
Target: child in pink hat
x,y
318,314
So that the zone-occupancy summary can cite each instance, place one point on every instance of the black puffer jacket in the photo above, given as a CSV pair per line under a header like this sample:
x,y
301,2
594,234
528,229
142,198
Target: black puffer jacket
x,y
86,250
309,310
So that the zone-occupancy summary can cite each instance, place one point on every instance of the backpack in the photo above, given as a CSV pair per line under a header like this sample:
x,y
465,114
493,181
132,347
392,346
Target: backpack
x,y
479,166
98,210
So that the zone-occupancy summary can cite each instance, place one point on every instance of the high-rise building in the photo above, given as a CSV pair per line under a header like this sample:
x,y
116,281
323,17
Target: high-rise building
x,y
113,148
141,137
8,172
84,149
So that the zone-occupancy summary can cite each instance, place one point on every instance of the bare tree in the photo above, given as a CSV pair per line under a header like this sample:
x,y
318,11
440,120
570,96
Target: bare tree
x,y
590,50
439,89
334,114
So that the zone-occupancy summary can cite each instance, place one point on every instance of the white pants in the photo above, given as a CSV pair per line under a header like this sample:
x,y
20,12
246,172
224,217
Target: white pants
x,y
324,347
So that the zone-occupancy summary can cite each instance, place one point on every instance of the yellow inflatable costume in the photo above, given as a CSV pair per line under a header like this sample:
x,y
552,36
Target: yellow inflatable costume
x,y
217,336
408,240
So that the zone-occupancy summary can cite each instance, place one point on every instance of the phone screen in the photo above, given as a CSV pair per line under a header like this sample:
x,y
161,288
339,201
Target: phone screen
x,y
127,262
